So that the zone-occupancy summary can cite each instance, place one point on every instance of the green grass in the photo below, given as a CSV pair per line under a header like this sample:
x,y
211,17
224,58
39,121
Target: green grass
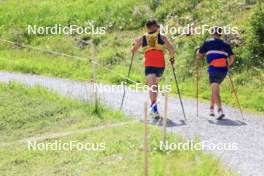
x,y
27,112
104,12
123,156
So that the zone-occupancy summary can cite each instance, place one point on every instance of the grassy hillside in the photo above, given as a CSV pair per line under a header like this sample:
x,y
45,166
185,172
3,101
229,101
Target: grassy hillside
x,y
27,112
124,21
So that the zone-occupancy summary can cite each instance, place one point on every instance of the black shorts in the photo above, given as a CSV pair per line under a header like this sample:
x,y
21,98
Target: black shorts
x,y
217,77
154,70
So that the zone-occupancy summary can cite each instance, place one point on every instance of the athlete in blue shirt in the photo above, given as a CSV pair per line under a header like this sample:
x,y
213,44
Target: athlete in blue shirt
x,y
217,52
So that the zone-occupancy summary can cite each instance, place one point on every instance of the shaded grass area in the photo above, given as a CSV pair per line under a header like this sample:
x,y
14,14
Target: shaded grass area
x,y
123,156
26,112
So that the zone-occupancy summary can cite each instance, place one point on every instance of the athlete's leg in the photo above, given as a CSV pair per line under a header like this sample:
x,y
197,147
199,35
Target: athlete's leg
x,y
212,101
152,79
216,95
215,79
152,82
212,105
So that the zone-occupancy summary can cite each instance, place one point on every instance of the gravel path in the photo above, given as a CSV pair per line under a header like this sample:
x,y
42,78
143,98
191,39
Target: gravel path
x,y
247,135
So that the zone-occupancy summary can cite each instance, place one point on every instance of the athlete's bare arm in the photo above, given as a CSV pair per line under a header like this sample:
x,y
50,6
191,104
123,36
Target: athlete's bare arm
x,y
168,45
199,55
231,60
136,45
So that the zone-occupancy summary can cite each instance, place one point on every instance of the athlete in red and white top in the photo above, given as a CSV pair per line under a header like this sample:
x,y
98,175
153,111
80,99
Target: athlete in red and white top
x,y
154,44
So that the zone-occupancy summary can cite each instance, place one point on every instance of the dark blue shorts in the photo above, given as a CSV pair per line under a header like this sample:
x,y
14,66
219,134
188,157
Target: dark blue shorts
x,y
217,77
154,70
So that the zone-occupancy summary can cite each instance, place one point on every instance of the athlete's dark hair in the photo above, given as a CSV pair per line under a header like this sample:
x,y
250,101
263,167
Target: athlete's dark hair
x,y
217,31
151,23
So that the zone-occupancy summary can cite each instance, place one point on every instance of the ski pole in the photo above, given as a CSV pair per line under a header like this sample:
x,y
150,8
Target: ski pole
x,y
197,87
124,88
176,82
235,93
